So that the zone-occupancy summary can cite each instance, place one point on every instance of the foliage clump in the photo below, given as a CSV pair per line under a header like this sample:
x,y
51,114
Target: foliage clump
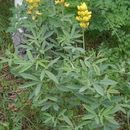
x,y
69,85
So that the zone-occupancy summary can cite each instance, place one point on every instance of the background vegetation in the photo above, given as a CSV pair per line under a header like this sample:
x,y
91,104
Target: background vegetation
x,y
58,85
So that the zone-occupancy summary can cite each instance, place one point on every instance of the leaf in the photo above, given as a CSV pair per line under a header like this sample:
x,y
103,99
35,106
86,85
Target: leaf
x,y
113,91
98,89
25,67
53,62
89,109
83,89
29,76
96,69
108,82
87,63
29,84
111,120
51,76
56,107
88,117
101,60
37,89
42,75
30,56
67,120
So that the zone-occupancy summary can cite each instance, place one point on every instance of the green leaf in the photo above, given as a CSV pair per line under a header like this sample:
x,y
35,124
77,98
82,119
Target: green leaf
x,y
88,117
98,89
37,89
29,76
25,67
51,76
87,63
82,89
89,109
30,56
111,120
67,120
29,84
108,82
53,62
96,69
112,91
101,60
42,75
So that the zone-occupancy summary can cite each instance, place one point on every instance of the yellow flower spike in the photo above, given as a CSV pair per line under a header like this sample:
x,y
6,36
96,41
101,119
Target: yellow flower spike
x,y
83,25
78,18
33,17
78,7
30,1
35,5
31,7
83,15
83,7
66,4
86,19
37,1
38,13
87,24
57,1
62,1
79,12
29,12
89,13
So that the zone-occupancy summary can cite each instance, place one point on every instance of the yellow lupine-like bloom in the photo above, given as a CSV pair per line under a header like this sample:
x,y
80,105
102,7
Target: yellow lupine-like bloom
x,y
62,2
66,4
33,1
84,15
38,13
82,7
33,8
59,1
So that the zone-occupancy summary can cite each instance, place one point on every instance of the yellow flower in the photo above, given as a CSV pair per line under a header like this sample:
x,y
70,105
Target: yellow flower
x,y
33,8
78,18
33,17
35,5
62,1
66,4
38,13
83,15
57,2
29,12
86,19
82,7
83,25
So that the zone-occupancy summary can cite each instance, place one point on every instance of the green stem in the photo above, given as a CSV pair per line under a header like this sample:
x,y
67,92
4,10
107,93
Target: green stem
x,y
83,40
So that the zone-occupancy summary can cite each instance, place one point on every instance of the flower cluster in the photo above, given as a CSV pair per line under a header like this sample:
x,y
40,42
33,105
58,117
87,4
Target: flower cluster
x,y
84,15
66,4
33,8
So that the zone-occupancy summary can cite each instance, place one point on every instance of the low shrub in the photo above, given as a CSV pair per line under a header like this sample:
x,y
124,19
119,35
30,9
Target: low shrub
x,y
69,86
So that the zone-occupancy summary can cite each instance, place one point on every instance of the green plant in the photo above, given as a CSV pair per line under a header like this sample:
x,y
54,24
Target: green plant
x,y
70,88
4,22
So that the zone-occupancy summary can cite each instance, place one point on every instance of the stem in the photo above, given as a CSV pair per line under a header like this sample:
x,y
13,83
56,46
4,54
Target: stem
x,y
128,123
83,40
